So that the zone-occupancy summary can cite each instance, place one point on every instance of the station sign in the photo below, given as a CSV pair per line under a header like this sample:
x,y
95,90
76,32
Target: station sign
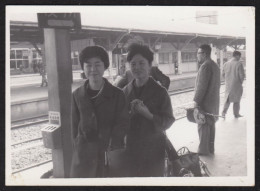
x,y
54,118
59,20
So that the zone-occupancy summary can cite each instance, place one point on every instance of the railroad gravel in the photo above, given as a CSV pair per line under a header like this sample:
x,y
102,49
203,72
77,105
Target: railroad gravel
x,y
185,100
30,156
26,133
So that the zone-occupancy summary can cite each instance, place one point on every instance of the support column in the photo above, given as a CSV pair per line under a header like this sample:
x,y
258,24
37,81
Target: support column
x,y
179,62
171,64
110,68
213,53
156,59
221,55
58,62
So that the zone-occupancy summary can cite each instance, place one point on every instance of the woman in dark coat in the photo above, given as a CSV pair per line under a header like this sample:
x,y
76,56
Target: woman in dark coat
x,y
150,115
99,116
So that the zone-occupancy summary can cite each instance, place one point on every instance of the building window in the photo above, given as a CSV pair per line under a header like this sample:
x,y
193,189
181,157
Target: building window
x,y
19,58
75,58
188,57
164,58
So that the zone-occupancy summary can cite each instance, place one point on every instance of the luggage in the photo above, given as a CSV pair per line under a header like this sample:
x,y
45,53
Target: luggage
x,y
116,163
195,115
188,164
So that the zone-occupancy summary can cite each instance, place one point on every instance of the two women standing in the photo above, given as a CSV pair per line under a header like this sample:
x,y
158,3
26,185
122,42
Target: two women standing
x,y
102,115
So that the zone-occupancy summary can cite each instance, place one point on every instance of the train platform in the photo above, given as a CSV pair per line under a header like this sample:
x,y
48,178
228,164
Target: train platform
x,y
27,87
35,79
229,160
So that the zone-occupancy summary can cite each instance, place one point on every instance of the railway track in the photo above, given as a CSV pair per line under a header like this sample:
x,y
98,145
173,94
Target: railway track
x,y
31,166
26,141
17,126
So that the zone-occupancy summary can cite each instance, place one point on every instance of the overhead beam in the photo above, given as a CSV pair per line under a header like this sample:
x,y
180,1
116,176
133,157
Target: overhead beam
x,y
187,42
221,47
113,44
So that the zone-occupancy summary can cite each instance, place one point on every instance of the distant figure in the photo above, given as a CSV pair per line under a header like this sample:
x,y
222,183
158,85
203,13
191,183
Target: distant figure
x,y
233,72
157,75
122,69
43,74
21,67
34,65
176,67
207,98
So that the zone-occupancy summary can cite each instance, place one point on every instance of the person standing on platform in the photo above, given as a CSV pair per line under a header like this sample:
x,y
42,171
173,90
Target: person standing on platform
x,y
43,74
233,72
206,98
99,116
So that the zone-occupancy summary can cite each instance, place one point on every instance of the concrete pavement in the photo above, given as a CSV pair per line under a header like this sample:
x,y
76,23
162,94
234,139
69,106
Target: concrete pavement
x,y
230,158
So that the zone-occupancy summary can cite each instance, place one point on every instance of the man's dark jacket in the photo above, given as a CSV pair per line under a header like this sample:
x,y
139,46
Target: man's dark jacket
x,y
155,73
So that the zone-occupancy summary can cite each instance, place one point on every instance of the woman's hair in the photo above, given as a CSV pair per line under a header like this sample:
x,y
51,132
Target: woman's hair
x,y
91,52
143,50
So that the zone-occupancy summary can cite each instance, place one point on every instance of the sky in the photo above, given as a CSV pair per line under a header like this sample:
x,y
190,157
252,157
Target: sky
x,y
231,20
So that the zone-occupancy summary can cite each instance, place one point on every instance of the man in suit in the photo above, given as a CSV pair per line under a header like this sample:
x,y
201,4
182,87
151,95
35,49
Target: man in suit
x,y
206,98
157,75
233,72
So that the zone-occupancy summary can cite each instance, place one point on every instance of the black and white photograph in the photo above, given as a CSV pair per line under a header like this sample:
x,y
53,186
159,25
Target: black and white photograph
x,y
130,95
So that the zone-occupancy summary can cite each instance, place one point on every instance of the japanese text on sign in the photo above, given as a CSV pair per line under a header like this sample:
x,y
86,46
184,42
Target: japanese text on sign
x,y
54,118
59,20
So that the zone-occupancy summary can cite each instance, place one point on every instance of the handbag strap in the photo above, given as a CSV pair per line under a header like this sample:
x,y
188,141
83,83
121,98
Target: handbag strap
x,y
183,150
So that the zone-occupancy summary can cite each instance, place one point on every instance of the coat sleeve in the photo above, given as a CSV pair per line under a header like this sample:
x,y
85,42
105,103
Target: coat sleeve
x,y
122,122
75,118
163,118
241,73
202,83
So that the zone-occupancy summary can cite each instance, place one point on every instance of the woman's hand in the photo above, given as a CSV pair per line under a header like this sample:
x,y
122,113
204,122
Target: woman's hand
x,y
134,103
139,108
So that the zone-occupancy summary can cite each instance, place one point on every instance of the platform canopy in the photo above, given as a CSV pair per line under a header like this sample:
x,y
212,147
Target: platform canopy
x,y
112,38
114,26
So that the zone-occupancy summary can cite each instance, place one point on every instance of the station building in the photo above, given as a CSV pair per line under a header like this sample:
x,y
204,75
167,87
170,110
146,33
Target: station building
x,y
173,49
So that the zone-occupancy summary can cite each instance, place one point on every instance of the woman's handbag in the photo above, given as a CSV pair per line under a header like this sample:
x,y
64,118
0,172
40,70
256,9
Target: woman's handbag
x,y
195,115
116,163
191,162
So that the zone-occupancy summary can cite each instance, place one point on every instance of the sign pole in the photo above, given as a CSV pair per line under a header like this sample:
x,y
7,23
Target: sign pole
x,y
58,61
